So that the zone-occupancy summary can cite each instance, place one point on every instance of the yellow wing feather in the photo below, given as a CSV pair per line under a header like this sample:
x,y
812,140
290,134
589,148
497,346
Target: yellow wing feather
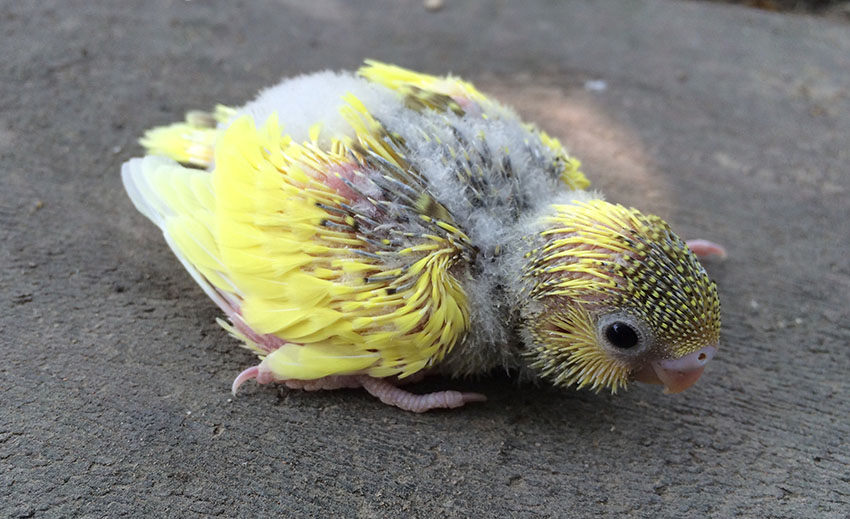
x,y
269,218
423,89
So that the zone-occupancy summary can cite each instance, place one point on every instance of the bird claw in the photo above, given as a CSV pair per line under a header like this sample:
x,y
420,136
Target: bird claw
x,y
246,375
253,373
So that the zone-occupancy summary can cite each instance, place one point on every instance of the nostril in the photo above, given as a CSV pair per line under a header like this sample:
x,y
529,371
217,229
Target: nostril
x,y
692,361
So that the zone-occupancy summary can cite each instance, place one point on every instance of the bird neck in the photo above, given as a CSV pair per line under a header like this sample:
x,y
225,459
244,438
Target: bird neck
x,y
535,256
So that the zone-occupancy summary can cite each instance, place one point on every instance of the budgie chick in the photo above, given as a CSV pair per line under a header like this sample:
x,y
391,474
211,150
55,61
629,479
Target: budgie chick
x,y
363,229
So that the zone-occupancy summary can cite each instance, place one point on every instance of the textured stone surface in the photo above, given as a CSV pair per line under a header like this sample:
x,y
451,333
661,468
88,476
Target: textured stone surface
x,y
731,123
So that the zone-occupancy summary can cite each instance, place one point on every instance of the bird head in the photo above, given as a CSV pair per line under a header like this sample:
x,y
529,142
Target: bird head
x,y
614,295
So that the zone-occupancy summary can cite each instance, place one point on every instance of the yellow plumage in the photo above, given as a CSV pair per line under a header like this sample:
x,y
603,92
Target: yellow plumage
x,y
332,256
256,230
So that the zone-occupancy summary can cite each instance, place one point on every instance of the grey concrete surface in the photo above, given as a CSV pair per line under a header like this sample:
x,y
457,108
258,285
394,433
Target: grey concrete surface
x,y
114,382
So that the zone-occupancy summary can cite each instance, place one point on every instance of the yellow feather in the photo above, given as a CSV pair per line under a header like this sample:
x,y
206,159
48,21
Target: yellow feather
x,y
316,361
182,142
402,79
259,218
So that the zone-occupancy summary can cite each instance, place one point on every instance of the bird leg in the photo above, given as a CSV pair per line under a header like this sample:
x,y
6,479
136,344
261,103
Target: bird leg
x,y
383,389
705,248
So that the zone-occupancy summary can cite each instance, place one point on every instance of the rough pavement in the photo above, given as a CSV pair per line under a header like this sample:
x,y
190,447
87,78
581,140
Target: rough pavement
x,y
731,123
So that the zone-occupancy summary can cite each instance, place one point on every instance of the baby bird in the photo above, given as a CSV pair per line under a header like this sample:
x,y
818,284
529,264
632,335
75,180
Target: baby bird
x,y
364,229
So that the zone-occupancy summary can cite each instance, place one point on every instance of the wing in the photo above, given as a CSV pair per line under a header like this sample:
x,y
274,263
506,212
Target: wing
x,y
423,91
181,202
331,261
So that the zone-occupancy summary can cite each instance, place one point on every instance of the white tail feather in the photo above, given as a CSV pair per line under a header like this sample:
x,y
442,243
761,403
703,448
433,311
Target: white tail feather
x,y
137,175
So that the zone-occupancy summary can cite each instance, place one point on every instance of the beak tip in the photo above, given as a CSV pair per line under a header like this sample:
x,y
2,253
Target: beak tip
x,y
679,374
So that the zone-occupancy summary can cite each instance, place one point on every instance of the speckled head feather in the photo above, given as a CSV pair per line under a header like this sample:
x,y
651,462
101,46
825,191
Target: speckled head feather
x,y
599,264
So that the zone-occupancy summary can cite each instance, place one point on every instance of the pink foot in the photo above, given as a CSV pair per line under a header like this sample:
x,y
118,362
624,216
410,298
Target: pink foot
x,y
705,248
392,395
381,388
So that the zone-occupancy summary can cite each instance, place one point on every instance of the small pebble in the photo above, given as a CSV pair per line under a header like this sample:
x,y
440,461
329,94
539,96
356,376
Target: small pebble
x,y
596,85
434,5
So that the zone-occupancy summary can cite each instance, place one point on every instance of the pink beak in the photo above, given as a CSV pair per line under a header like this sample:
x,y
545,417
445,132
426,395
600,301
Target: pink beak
x,y
679,374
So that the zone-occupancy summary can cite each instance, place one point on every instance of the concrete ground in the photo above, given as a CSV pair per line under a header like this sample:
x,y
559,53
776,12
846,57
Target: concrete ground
x,y
733,124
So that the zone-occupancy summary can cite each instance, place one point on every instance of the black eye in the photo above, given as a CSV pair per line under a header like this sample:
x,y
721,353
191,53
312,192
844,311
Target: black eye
x,y
621,335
